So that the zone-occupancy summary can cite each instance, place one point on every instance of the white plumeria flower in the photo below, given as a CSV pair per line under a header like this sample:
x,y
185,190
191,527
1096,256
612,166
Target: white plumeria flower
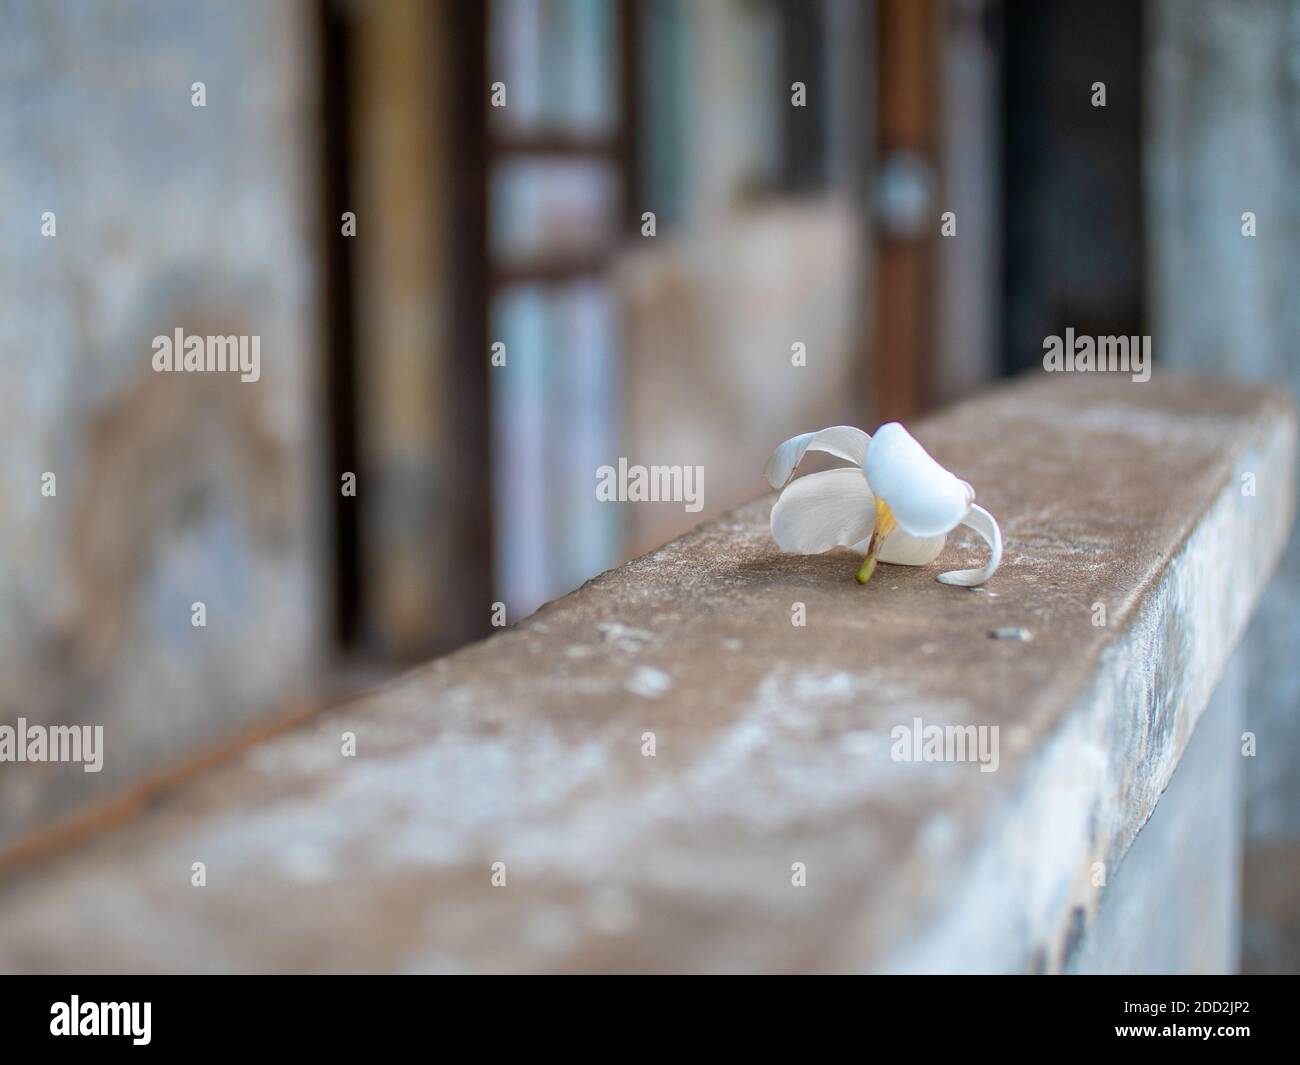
x,y
895,503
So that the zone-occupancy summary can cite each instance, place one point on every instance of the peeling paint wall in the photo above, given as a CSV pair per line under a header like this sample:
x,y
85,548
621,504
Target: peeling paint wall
x,y
171,488
1223,139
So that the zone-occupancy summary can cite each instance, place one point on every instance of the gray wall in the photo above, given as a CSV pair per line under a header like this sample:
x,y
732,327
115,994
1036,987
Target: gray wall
x,y
173,488
1223,138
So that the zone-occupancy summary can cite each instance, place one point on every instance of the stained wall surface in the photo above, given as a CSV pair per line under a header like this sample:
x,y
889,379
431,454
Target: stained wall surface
x,y
169,489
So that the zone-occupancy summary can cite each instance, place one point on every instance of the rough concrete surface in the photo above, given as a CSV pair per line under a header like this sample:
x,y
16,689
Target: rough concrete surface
x,y
772,742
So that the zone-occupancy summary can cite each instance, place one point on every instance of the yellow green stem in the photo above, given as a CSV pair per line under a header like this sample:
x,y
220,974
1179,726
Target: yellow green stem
x,y
868,566
885,524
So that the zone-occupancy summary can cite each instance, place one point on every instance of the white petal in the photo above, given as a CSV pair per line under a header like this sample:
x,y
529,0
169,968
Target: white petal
x,y
926,499
904,549
842,441
986,525
823,510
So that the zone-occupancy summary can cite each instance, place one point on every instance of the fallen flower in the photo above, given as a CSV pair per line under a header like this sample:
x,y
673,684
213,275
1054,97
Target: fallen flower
x,y
895,504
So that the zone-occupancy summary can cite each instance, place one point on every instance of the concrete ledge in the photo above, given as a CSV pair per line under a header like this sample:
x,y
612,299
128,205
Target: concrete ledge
x,y
772,742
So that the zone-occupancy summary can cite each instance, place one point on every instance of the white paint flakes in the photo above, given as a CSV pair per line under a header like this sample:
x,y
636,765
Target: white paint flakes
x,y
624,637
649,682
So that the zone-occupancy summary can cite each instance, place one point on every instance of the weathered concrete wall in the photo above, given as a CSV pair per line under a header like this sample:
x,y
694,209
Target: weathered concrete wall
x,y
1223,138
1174,905
171,488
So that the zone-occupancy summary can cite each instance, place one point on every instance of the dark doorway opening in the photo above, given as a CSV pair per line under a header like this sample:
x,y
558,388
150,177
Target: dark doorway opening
x,y
1074,252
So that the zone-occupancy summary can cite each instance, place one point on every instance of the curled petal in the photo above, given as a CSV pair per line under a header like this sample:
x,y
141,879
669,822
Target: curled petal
x,y
926,499
986,525
834,508
842,441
